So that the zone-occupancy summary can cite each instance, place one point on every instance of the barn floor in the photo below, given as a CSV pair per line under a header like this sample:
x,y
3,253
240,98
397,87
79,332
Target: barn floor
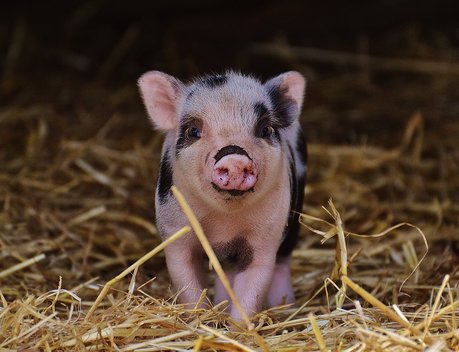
x,y
78,165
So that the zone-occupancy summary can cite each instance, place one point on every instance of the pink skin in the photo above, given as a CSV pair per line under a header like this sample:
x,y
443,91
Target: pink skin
x,y
281,291
220,292
259,217
234,172
252,286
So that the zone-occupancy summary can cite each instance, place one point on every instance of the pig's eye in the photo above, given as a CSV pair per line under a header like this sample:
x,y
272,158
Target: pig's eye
x,y
193,132
267,132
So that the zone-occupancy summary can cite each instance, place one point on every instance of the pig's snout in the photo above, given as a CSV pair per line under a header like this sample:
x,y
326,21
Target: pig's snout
x,y
234,172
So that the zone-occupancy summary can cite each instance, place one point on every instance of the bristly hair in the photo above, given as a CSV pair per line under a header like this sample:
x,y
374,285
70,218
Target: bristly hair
x,y
165,177
284,107
214,80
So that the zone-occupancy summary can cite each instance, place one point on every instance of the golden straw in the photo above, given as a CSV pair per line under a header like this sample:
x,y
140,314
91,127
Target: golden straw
x,y
22,265
226,338
378,304
317,333
139,262
435,305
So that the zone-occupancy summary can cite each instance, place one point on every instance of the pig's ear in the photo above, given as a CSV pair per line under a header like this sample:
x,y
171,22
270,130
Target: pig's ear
x,y
287,93
161,95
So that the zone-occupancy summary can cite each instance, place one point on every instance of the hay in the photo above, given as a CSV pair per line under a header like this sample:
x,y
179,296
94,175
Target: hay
x,y
68,227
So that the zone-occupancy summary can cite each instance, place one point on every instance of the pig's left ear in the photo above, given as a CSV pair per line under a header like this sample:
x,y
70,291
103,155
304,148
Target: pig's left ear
x,y
287,93
161,95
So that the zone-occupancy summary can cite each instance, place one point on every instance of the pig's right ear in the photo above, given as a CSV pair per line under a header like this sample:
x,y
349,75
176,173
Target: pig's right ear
x,y
161,95
287,93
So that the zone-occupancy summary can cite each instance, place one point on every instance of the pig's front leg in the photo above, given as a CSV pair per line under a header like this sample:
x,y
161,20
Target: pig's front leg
x,y
186,271
281,291
220,291
251,285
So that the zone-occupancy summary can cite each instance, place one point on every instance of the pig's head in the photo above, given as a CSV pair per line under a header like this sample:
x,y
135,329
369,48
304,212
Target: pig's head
x,y
225,133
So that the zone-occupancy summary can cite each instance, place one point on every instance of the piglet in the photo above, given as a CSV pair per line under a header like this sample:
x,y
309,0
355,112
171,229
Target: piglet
x,y
235,149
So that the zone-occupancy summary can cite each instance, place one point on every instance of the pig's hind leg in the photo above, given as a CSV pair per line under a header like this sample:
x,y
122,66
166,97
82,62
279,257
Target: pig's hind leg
x,y
281,290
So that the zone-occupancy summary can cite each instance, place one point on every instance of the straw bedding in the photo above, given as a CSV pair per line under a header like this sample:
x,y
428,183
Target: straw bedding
x,y
76,212
376,268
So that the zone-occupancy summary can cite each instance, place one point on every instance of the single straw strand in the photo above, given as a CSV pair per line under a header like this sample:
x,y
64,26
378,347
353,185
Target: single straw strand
x,y
22,265
210,253
435,305
198,344
317,333
226,338
378,304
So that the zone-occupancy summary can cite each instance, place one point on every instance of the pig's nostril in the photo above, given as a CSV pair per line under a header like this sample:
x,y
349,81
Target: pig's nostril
x,y
222,171
222,174
248,172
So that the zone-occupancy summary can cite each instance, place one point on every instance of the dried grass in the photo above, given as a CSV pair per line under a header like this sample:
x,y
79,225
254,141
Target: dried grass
x,y
73,220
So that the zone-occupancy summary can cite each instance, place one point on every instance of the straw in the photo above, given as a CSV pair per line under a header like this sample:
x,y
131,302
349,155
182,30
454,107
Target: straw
x,y
379,224
135,265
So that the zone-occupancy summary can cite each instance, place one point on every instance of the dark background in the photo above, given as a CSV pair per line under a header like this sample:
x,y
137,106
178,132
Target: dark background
x,y
78,55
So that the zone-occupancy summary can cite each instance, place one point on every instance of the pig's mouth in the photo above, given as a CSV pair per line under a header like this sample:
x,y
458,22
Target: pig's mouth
x,y
232,192
234,172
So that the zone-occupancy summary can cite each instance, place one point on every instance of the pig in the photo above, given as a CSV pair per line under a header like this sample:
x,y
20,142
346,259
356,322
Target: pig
x,y
235,149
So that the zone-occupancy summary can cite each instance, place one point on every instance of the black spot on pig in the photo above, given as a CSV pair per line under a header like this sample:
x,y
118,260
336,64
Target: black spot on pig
x,y
190,94
230,149
164,178
184,139
214,81
182,142
296,204
236,254
267,127
260,110
285,108
301,147
266,120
